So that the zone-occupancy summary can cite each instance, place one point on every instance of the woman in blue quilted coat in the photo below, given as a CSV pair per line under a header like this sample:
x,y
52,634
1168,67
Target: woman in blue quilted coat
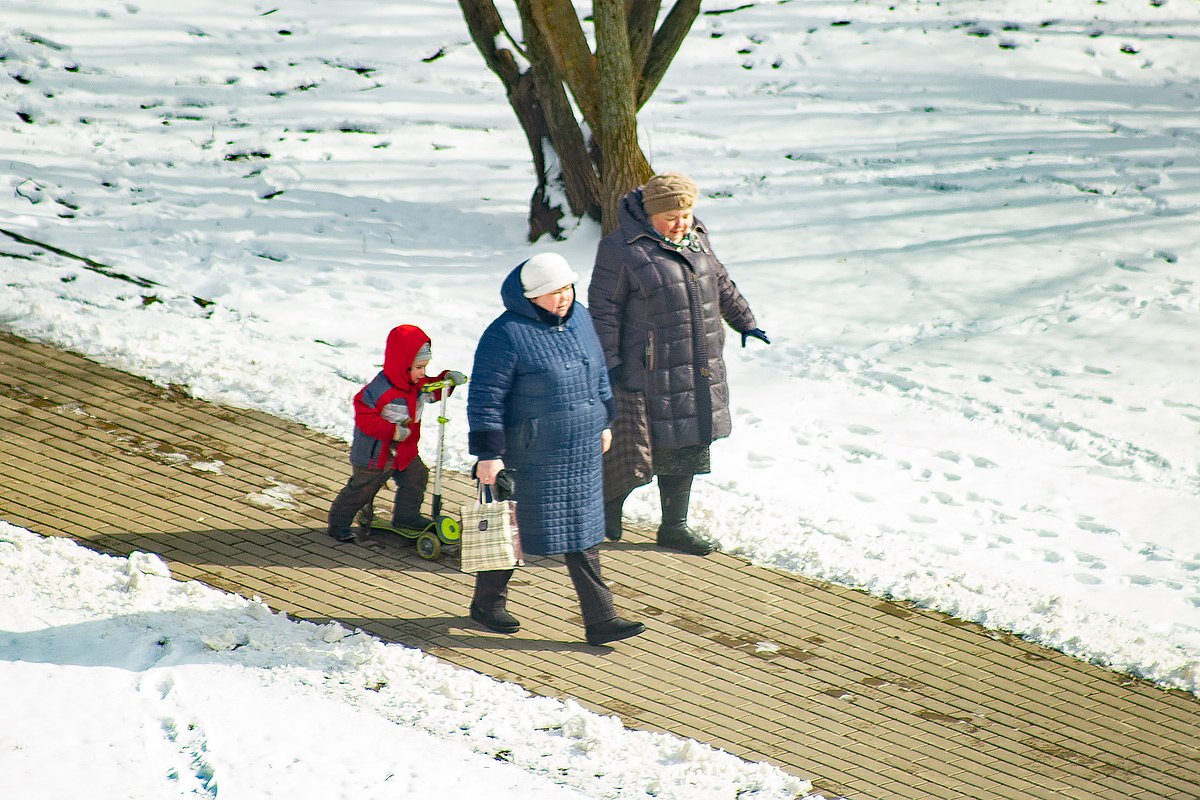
x,y
540,408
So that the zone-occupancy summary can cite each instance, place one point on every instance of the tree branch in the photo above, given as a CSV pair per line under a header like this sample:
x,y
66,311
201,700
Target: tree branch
x,y
578,171
625,165
484,24
667,42
563,35
642,16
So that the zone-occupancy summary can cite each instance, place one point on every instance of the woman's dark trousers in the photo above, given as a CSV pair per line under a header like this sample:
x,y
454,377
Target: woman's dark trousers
x,y
595,598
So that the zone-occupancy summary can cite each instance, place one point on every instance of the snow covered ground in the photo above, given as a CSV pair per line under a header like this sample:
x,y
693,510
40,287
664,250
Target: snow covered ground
x,y
123,683
970,229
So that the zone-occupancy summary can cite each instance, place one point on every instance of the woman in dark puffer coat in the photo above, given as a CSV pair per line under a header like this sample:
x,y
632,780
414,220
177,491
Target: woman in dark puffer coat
x,y
658,297
540,407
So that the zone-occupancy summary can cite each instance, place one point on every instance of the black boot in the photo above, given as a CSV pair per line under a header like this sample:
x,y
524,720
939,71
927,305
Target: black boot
x,y
612,518
491,596
614,630
674,492
497,621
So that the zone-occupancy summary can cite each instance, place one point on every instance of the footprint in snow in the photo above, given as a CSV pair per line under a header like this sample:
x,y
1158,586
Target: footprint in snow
x,y
946,499
760,461
1093,527
1146,580
857,454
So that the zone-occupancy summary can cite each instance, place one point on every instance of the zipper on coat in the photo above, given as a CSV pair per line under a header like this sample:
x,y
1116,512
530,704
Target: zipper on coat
x,y
650,350
699,355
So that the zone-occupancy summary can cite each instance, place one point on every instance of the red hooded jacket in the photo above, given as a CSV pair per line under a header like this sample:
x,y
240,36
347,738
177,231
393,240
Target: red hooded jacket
x,y
374,445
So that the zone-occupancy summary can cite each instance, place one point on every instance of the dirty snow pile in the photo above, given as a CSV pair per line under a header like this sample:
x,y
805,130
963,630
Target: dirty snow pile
x,y
125,683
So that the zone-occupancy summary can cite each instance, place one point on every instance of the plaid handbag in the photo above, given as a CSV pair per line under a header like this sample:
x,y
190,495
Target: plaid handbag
x,y
490,539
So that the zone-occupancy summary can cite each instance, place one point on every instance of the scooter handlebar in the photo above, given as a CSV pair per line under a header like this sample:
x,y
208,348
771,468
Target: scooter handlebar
x,y
442,384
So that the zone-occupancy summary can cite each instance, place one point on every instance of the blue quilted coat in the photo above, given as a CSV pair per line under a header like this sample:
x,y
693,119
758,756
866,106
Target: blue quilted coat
x,y
539,399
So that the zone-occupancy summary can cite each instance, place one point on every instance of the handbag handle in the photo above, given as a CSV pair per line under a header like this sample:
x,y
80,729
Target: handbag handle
x,y
493,491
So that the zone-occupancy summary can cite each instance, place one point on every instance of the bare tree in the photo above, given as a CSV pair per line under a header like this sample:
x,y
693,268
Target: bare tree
x,y
608,86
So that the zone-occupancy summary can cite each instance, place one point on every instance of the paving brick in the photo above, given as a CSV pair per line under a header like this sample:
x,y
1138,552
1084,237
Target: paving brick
x,y
866,698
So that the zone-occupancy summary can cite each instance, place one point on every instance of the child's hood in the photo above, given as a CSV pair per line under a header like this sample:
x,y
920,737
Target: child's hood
x,y
402,345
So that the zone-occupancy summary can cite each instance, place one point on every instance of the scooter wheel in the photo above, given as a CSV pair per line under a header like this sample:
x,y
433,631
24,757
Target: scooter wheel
x,y
449,530
428,546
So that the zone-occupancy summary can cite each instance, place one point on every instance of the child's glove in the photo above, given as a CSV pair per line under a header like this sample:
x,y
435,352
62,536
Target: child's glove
x,y
395,413
455,377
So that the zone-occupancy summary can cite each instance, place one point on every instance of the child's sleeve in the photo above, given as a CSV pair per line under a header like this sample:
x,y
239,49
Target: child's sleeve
x,y
368,420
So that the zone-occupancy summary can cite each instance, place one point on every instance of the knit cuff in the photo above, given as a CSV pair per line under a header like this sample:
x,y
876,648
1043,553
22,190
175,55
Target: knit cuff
x,y
610,408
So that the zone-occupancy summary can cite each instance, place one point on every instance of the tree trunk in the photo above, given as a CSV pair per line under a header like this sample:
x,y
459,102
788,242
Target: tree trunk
x,y
486,26
576,167
642,16
608,87
624,165
559,26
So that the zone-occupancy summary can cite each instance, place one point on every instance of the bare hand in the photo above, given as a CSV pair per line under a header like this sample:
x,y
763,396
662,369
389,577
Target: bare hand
x,y
605,440
487,471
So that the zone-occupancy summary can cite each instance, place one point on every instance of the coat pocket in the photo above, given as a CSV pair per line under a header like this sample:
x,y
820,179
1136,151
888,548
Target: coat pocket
x,y
529,433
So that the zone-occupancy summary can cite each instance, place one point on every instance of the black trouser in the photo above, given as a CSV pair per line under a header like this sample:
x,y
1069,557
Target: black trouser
x,y
595,599
359,493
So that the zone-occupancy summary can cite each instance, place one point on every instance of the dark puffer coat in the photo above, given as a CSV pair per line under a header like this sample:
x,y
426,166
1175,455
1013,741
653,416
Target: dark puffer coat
x,y
540,399
657,308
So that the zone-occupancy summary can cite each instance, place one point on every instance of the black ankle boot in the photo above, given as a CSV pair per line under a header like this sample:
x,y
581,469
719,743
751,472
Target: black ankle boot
x,y
498,620
674,492
614,630
488,604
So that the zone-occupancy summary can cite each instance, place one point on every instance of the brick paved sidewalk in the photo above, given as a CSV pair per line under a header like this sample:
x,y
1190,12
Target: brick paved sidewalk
x,y
868,699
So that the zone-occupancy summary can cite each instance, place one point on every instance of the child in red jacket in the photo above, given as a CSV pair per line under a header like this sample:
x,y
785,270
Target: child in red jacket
x,y
387,428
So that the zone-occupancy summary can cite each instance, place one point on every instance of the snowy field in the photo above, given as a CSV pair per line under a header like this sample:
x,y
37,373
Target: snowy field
x,y
969,227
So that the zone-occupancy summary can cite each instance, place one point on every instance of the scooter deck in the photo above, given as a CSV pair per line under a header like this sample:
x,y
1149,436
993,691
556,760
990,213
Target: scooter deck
x,y
408,533
429,540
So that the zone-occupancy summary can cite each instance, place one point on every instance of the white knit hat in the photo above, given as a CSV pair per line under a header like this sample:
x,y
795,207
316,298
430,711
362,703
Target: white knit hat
x,y
546,273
